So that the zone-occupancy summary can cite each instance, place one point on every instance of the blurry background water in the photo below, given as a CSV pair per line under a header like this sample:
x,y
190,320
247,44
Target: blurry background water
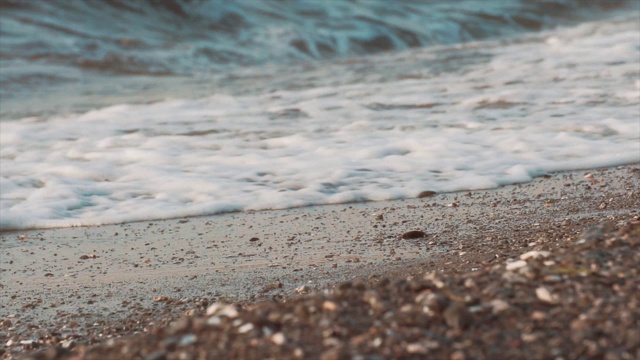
x,y
118,110
104,52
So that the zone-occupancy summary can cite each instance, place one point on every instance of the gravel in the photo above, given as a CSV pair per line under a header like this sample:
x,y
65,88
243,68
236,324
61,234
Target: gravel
x,y
580,300
538,270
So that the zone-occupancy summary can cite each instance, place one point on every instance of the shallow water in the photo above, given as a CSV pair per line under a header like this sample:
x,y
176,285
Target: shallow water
x,y
357,125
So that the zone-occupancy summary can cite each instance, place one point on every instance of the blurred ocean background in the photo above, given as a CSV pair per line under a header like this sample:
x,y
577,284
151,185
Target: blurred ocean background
x,y
114,111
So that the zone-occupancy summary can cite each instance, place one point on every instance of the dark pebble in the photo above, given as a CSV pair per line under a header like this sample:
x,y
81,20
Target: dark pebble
x,y
425,194
414,234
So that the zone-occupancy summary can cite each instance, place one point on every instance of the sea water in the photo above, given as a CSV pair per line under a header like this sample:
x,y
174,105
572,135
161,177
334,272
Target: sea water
x,y
124,111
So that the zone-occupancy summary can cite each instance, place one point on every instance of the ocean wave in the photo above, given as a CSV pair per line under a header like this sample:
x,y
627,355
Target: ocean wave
x,y
160,38
386,127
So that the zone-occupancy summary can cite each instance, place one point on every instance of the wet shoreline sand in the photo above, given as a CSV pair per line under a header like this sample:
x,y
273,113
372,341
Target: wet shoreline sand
x,y
70,288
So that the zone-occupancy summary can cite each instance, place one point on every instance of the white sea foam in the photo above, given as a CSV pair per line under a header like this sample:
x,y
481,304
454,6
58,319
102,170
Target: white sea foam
x,y
560,100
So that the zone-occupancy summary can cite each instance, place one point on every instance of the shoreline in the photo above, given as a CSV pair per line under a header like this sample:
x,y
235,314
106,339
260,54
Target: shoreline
x,y
131,278
545,175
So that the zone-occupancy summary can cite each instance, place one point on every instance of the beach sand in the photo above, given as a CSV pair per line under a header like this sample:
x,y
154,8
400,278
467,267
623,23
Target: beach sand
x,y
65,291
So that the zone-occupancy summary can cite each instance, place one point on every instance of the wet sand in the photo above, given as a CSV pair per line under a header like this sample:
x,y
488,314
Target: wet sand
x,y
80,286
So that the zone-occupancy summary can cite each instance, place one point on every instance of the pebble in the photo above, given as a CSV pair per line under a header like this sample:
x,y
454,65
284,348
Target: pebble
x,y
278,339
516,265
534,254
414,234
469,283
498,305
67,344
214,321
538,315
416,348
245,328
545,295
329,306
229,311
187,340
427,193
214,308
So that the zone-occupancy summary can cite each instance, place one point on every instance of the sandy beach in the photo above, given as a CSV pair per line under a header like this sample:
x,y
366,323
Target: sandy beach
x,y
65,291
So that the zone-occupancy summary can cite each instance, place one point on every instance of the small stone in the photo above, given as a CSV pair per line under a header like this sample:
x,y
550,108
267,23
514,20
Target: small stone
x,y
214,321
278,339
545,295
498,305
329,306
254,239
229,311
414,234
304,289
553,278
416,348
516,265
534,254
435,280
469,283
214,308
245,328
187,340
271,287
538,315
425,194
